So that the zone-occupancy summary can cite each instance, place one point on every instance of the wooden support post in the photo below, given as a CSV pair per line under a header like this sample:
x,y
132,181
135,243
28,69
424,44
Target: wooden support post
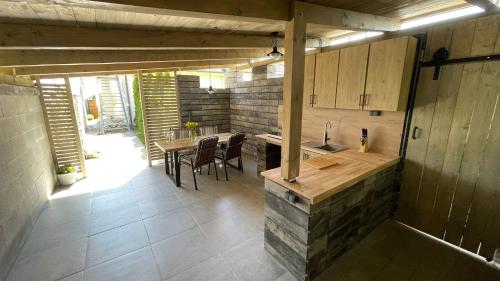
x,y
144,120
295,39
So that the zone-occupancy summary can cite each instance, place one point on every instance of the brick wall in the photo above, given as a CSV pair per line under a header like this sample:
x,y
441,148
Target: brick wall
x,y
254,106
26,169
197,104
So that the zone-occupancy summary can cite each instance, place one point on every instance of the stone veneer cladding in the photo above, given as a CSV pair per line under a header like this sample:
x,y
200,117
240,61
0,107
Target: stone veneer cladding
x,y
254,106
27,173
307,238
196,104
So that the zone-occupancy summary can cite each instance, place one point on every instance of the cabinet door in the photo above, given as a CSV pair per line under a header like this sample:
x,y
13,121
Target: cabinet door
x,y
352,77
309,66
325,81
389,74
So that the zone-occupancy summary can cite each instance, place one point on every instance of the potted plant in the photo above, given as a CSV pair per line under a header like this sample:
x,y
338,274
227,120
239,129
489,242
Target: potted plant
x,y
66,175
191,126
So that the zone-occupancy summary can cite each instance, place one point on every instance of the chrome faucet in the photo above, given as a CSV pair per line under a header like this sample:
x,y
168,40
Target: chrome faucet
x,y
325,133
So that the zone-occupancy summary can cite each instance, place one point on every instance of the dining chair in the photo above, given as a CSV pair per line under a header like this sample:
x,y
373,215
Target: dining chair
x,y
232,150
204,155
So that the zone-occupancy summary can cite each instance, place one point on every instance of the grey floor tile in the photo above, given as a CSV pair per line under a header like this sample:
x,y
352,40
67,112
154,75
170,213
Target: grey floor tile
x,y
116,242
135,266
110,189
51,264
251,262
159,205
115,217
43,237
54,217
214,269
286,277
113,200
150,192
189,195
74,202
151,179
169,224
207,210
179,253
74,277
227,232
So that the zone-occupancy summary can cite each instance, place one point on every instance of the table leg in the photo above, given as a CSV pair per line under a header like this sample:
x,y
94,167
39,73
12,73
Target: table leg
x,y
177,169
167,164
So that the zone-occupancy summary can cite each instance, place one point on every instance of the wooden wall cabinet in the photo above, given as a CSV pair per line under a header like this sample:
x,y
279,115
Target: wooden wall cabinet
x,y
388,78
309,65
372,76
325,80
351,77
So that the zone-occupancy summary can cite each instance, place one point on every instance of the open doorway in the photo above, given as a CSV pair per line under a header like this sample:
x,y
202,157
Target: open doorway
x,y
106,114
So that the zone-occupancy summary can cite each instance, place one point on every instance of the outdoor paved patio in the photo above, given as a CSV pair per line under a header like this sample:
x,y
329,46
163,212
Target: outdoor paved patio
x,y
127,221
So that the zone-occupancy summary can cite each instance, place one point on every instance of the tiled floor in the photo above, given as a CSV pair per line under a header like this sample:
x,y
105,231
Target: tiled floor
x,y
395,252
129,222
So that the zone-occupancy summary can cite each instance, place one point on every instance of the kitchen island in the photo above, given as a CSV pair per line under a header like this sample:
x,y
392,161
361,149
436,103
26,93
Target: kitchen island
x,y
312,221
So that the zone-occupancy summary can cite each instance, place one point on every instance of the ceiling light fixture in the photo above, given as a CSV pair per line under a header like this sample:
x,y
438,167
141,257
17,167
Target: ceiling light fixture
x,y
441,17
275,53
210,89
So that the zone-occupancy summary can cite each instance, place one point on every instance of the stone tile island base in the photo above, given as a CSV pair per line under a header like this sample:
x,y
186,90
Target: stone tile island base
x,y
306,237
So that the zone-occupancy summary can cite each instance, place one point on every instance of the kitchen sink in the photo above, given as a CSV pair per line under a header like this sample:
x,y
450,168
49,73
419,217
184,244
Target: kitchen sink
x,y
326,147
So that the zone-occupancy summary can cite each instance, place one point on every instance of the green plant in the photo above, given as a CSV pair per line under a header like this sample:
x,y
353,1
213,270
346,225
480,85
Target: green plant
x,y
139,125
191,125
66,169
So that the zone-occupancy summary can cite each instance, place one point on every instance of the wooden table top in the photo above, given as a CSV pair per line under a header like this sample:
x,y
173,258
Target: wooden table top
x,y
352,167
187,143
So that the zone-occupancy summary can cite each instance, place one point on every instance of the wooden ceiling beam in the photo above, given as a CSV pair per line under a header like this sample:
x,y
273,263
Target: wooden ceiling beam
x,y
263,11
270,11
17,58
344,19
20,36
89,68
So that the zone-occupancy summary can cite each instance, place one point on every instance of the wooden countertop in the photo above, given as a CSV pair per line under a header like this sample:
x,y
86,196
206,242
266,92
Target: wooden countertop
x,y
317,185
274,140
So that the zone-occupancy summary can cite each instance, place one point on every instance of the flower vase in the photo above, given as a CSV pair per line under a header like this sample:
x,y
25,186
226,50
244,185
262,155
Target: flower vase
x,y
192,134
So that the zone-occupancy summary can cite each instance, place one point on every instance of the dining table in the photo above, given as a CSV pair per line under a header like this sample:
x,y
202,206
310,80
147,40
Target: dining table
x,y
172,148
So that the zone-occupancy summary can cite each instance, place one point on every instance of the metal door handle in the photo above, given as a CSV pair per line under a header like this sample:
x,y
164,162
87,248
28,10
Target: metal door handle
x,y
414,133
366,99
360,103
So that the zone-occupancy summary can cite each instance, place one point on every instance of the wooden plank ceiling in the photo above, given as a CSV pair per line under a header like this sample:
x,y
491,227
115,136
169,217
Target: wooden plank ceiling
x,y
223,26
38,12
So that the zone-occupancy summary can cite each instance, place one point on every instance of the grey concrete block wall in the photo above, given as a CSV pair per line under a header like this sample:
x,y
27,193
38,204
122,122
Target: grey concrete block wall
x,y
244,106
254,106
27,174
196,104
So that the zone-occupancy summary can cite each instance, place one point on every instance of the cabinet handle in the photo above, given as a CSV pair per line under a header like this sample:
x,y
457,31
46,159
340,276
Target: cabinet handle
x,y
311,99
414,133
366,99
360,103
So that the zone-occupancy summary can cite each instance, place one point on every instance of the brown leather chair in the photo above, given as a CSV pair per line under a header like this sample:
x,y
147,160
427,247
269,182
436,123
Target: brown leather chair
x,y
204,155
231,151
